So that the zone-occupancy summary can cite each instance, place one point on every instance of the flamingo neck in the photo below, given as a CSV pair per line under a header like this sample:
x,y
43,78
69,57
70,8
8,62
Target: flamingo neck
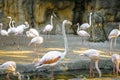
x,y
51,20
26,26
0,27
90,19
78,29
10,23
96,65
65,39
13,25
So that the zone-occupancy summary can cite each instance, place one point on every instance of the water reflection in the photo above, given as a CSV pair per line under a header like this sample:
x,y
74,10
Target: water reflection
x,y
64,75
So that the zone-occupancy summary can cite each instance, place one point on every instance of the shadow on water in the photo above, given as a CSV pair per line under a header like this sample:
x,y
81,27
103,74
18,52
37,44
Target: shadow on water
x,y
63,75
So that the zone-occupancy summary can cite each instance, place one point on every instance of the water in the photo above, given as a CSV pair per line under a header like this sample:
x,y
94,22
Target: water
x,y
64,75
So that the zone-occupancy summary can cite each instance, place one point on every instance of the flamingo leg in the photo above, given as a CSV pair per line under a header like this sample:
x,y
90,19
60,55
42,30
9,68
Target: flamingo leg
x,y
114,65
7,77
52,73
97,68
18,41
115,42
111,46
117,68
91,69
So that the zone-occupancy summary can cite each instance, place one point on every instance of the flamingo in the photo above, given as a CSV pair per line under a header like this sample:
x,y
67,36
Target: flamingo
x,y
116,61
52,58
82,34
36,41
3,32
48,28
19,30
12,28
84,26
113,36
94,55
10,67
32,33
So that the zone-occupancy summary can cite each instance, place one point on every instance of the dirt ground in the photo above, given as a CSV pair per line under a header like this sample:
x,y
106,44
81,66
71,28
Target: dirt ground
x,y
25,55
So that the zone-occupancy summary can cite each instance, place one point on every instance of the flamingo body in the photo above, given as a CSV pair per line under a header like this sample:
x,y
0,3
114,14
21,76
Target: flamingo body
x,y
36,40
46,60
114,34
83,33
48,28
84,26
32,33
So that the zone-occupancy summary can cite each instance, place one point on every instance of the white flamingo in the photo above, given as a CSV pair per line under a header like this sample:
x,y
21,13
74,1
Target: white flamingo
x,y
12,28
48,28
52,58
19,30
10,67
36,41
113,36
94,56
116,61
86,25
82,34
32,33
2,31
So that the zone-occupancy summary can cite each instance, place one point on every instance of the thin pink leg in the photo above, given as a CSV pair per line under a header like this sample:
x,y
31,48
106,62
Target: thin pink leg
x,y
52,73
91,69
115,42
18,41
111,46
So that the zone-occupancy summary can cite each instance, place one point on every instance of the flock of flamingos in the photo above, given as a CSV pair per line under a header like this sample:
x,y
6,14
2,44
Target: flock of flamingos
x,y
52,58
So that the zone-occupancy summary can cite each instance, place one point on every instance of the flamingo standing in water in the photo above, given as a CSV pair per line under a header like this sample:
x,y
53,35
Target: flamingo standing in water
x,y
19,30
94,56
10,67
52,58
3,32
113,36
116,61
48,28
82,34
84,26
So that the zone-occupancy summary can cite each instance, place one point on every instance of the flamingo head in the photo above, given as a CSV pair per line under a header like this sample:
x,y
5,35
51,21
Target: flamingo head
x,y
77,24
68,22
9,17
37,65
26,24
90,13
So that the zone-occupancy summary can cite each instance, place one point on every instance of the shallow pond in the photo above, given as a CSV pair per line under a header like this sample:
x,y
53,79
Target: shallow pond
x,y
63,75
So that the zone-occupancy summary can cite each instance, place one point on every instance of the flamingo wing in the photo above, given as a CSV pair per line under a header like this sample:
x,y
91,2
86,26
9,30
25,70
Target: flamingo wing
x,y
51,58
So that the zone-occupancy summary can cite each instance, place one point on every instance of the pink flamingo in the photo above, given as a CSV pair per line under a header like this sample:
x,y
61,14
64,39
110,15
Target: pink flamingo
x,y
19,30
10,67
113,36
82,34
52,58
94,56
48,28
116,61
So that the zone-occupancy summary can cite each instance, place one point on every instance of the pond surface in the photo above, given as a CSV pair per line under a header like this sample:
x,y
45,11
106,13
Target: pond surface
x,y
64,75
